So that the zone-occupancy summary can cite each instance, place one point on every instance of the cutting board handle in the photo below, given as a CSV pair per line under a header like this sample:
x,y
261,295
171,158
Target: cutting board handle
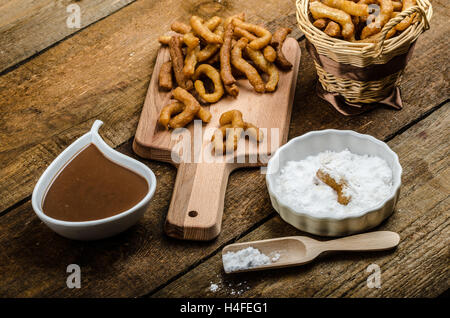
x,y
196,208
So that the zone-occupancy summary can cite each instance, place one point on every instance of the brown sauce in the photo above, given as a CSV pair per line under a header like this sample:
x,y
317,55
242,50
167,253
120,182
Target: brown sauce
x,y
92,187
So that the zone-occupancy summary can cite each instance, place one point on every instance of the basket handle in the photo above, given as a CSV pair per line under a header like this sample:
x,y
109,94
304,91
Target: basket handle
x,y
393,22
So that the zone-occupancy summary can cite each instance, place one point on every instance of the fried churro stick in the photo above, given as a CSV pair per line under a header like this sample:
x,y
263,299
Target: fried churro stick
x,y
241,33
277,42
175,107
202,30
321,23
233,117
319,10
356,9
253,132
386,9
408,20
231,129
337,186
269,53
164,39
165,76
264,36
213,23
189,112
225,59
190,61
214,75
333,29
191,40
243,66
232,90
260,62
210,49
176,55
180,27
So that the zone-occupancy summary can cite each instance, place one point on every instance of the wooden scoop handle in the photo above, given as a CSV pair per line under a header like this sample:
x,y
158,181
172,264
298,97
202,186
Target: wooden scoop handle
x,y
372,241
196,208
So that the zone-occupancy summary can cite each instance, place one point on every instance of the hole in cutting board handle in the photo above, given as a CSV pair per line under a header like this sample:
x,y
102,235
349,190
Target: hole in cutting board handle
x,y
193,214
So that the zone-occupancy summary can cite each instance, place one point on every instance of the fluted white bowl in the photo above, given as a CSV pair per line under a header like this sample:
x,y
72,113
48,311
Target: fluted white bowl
x,y
315,142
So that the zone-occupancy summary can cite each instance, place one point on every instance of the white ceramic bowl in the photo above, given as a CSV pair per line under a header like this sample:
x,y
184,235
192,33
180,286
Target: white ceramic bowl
x,y
315,142
97,229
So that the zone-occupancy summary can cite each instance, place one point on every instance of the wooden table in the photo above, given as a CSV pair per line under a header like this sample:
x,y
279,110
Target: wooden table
x,y
55,81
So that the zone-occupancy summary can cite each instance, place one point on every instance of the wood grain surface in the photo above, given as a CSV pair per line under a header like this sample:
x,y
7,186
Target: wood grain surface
x,y
29,26
103,71
417,268
61,92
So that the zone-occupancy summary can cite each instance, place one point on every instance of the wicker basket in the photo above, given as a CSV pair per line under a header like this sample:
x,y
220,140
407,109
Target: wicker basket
x,y
362,55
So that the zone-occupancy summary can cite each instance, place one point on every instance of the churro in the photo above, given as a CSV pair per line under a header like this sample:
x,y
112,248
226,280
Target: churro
x,y
386,9
245,67
176,55
338,186
180,27
320,10
277,42
261,63
264,36
212,74
189,112
203,31
225,57
333,29
165,76
269,53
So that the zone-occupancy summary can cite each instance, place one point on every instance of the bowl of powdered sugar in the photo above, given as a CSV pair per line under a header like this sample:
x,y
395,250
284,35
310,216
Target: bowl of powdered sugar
x,y
334,182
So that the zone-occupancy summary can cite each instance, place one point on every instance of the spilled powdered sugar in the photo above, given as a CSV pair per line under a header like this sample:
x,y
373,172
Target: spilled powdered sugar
x,y
368,179
246,258
213,287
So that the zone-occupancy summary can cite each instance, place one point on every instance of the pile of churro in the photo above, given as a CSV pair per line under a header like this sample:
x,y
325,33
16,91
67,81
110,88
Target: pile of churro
x,y
359,20
206,58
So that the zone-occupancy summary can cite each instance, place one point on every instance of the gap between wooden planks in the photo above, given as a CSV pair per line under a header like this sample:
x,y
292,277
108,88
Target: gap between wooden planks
x,y
29,26
417,268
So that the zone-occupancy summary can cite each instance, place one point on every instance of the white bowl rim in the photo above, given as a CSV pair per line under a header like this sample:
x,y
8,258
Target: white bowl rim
x,y
395,187
151,186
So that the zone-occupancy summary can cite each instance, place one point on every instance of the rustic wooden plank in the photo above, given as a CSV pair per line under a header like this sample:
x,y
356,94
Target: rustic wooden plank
x,y
34,259
52,99
111,268
417,268
100,73
29,26
121,106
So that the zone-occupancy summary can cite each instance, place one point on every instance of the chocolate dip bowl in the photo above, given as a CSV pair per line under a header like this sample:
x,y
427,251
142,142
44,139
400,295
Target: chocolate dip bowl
x,y
83,213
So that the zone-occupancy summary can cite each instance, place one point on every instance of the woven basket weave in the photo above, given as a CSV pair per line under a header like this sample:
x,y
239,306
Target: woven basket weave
x,y
363,54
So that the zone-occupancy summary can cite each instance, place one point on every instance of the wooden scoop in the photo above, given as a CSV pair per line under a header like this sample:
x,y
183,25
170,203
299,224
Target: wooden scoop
x,y
299,250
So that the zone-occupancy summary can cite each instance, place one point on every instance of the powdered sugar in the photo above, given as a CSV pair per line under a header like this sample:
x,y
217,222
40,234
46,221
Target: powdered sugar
x,y
368,178
244,259
213,287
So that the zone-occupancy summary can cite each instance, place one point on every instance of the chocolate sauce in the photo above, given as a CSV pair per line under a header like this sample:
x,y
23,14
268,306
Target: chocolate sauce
x,y
92,187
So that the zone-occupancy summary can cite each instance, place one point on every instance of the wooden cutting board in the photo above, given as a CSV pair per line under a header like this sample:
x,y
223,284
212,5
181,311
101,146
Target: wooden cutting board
x,y
196,207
